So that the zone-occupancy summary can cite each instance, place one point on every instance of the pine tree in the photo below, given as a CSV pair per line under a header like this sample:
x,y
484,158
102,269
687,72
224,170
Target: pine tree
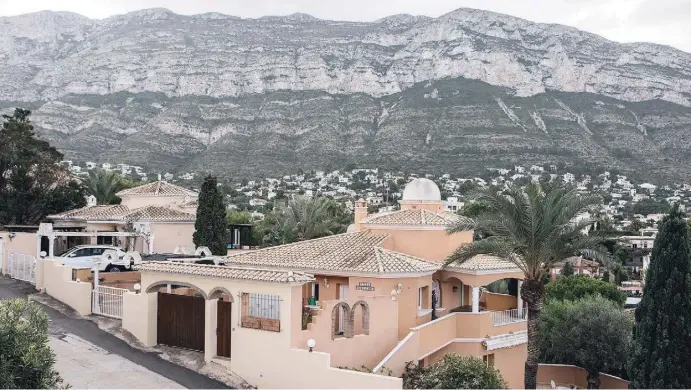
x,y
662,335
210,226
567,269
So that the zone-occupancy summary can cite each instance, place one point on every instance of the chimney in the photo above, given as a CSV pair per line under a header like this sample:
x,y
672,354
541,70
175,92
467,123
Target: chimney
x,y
159,177
360,213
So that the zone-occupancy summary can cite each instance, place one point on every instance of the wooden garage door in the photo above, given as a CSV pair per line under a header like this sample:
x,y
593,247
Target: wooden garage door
x,y
181,321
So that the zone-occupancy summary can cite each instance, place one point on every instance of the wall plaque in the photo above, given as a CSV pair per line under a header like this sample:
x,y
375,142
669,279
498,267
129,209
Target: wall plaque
x,y
365,286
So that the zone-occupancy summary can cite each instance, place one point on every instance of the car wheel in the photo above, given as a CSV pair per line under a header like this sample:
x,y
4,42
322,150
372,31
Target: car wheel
x,y
112,268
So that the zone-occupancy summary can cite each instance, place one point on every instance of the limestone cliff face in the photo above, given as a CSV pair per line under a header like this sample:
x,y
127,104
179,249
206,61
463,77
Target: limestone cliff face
x,y
265,95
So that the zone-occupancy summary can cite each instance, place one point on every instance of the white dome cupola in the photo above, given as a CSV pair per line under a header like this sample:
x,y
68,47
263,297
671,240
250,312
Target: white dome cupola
x,y
421,194
421,190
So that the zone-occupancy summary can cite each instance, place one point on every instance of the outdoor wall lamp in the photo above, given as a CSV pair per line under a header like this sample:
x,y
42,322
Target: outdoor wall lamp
x,y
455,289
137,288
311,343
399,288
393,295
326,283
12,235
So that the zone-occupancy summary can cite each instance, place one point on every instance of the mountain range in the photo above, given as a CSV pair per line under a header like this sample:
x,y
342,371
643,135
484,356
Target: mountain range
x,y
255,97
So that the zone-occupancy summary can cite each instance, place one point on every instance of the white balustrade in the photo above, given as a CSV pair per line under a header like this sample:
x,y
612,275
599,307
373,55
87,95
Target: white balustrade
x,y
509,316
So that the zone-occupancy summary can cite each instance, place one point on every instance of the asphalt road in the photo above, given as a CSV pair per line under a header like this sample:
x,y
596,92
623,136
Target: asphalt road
x,y
89,331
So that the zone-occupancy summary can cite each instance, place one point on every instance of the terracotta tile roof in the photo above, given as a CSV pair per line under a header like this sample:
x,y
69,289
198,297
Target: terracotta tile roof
x,y
157,188
93,213
360,252
225,272
190,203
158,213
122,213
412,217
484,263
575,260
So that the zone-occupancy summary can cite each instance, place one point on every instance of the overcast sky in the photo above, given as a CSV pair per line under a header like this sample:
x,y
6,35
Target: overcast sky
x,y
660,21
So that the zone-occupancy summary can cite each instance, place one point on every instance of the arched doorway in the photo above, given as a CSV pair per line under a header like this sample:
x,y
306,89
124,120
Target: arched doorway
x,y
224,319
180,314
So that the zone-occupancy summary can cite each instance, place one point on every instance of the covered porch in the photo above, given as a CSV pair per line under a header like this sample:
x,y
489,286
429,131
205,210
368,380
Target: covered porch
x,y
482,284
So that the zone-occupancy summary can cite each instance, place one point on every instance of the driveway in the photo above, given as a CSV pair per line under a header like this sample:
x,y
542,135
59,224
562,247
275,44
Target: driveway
x,y
88,357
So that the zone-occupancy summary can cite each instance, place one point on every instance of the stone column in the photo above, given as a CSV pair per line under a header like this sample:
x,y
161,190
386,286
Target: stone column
x,y
51,247
476,299
210,319
519,300
151,244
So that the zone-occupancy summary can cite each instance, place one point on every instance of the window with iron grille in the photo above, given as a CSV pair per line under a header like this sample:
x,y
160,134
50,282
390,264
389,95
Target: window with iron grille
x,y
261,311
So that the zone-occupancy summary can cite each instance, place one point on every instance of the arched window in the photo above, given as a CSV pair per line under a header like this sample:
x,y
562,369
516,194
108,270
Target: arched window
x,y
341,315
365,316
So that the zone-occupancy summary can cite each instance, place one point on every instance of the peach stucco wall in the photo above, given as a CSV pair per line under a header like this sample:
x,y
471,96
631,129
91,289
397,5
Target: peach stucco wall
x,y
407,300
24,243
56,279
263,358
435,245
436,338
499,302
167,236
567,375
511,363
348,352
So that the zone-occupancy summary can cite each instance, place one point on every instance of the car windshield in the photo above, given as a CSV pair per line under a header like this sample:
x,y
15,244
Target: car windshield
x,y
65,252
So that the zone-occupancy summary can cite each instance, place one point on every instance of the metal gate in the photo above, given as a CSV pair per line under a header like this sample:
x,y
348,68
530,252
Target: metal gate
x,y
21,267
107,301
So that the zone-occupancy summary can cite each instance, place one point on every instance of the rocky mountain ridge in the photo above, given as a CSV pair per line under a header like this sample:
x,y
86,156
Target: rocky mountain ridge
x,y
260,96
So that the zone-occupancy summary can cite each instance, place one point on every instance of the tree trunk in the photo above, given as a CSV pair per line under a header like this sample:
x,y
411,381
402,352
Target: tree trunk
x,y
532,293
593,380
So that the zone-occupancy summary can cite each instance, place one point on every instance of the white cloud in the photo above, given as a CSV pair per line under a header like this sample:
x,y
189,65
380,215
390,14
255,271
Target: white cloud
x,y
659,21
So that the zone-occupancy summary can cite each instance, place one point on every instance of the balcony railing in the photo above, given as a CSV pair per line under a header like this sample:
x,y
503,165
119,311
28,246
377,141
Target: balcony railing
x,y
509,316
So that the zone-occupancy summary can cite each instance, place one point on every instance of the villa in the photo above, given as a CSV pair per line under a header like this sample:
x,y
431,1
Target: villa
x,y
362,298
159,210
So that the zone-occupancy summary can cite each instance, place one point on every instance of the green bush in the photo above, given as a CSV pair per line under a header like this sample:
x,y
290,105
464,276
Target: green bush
x,y
572,288
453,372
26,360
593,333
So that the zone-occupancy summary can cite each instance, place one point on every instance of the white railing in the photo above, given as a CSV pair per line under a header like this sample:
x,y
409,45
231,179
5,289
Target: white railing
x,y
509,316
21,267
107,301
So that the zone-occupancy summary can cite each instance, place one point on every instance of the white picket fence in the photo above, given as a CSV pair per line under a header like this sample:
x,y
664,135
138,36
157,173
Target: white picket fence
x,y
21,267
107,301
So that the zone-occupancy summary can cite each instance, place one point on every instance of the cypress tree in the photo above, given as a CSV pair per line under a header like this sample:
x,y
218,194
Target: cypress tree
x,y
567,269
662,335
210,226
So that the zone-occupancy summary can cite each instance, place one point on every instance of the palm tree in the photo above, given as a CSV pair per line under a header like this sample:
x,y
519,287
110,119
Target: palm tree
x,y
533,228
303,219
104,185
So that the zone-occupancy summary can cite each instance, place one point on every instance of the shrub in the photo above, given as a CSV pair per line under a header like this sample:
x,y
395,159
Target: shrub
x,y
453,372
575,287
593,333
26,360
